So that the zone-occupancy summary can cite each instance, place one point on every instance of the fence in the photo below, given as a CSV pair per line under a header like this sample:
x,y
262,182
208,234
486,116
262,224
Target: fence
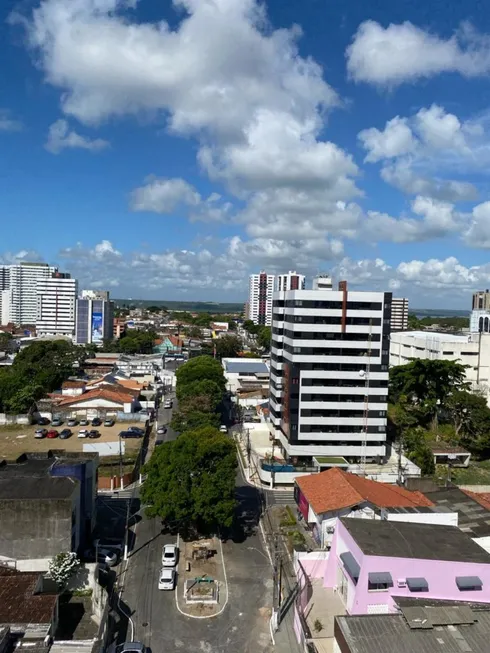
x,y
14,419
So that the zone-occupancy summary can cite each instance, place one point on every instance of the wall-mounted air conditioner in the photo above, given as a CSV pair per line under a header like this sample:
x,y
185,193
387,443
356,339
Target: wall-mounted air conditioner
x,y
401,582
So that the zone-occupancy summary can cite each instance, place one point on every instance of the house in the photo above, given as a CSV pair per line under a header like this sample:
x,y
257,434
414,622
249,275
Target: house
x,y
73,388
245,373
25,609
373,563
446,454
323,498
431,627
47,505
102,401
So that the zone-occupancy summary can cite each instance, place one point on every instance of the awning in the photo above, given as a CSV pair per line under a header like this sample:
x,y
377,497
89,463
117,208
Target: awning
x,y
350,565
380,578
417,585
469,582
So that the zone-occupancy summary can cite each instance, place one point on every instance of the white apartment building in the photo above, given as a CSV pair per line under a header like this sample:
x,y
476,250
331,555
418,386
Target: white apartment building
x,y
399,314
290,281
56,305
472,350
261,288
21,280
329,360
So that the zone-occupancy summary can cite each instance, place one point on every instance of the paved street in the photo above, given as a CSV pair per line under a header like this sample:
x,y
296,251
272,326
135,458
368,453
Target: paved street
x,y
244,624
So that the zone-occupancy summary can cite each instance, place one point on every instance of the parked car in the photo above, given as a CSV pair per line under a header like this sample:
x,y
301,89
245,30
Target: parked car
x,y
52,433
109,422
40,433
72,422
129,434
96,421
43,421
161,430
83,433
83,422
65,434
110,558
168,403
167,579
57,422
223,429
94,434
109,543
170,555
137,429
132,647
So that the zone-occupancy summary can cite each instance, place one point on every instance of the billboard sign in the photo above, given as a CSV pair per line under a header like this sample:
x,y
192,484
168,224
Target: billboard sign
x,y
97,333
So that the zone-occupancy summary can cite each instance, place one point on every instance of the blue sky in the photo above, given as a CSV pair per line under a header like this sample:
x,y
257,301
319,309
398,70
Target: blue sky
x,y
167,149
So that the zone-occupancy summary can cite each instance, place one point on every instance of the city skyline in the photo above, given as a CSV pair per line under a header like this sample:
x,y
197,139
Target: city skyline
x,y
297,136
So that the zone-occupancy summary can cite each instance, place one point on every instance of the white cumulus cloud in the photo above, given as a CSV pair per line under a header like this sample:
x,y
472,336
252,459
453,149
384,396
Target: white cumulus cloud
x,y
60,137
393,55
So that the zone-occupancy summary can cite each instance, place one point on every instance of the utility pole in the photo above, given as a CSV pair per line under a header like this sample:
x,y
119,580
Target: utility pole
x,y
276,573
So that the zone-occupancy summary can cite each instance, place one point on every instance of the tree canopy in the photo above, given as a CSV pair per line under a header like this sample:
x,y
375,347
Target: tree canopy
x,y
37,369
190,481
228,346
199,369
132,341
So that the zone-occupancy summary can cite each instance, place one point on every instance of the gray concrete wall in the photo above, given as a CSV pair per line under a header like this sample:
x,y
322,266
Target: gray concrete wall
x,y
35,528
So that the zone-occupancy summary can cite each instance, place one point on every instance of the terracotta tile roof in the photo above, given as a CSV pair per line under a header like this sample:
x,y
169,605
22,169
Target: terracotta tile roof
x,y
18,602
130,384
483,498
73,384
123,396
335,489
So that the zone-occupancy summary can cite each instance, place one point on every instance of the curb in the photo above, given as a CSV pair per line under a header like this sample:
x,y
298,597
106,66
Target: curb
x,y
207,616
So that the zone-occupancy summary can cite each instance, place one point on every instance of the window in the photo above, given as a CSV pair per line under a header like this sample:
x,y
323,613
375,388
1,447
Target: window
x,y
379,581
417,585
448,353
469,583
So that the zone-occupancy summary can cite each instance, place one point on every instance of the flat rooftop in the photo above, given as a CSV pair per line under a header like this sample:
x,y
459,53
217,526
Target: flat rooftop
x,y
33,487
411,540
246,367
432,335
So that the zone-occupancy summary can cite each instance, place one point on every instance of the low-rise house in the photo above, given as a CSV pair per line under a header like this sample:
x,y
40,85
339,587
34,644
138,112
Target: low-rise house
x,y
103,401
73,388
323,498
25,609
47,505
436,627
243,373
372,563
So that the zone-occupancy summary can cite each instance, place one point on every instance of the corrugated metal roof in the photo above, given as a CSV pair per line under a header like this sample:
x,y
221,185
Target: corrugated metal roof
x,y
247,367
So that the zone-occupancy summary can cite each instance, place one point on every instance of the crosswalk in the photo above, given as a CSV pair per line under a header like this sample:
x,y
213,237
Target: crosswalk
x,y
280,497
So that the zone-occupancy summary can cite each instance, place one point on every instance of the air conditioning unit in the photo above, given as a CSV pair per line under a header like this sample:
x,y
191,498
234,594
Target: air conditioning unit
x,y
330,530
401,582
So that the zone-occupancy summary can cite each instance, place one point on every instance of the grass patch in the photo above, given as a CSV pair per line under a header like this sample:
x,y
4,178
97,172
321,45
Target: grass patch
x,y
286,517
296,538
85,592
477,473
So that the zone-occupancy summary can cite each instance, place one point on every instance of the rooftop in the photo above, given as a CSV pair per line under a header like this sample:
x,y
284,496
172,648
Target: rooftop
x,y
473,510
33,487
250,366
411,540
120,396
19,602
451,629
335,489
433,336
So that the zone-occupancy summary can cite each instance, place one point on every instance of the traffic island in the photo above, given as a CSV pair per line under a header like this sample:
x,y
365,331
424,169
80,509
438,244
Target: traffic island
x,y
202,588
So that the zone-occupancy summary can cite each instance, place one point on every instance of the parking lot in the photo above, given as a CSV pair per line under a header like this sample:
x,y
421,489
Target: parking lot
x,y
15,440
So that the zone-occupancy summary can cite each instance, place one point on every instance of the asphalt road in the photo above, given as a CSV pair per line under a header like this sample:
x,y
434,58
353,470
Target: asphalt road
x,y
243,627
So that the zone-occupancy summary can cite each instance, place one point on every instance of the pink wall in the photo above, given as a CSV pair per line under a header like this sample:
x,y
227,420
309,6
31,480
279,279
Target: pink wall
x,y
314,568
440,576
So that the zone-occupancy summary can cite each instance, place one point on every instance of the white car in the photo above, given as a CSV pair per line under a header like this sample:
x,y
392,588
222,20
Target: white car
x,y
223,429
167,579
170,555
83,433
109,557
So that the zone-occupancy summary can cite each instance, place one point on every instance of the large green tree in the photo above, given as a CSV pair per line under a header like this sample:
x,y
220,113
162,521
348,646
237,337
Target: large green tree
x,y
205,387
200,368
190,482
228,346
190,417
264,338
426,384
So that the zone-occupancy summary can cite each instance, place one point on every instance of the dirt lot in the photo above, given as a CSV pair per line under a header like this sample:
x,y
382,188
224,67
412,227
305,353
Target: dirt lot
x,y
15,440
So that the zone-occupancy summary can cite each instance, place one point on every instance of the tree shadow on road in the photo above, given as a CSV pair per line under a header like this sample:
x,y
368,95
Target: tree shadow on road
x,y
247,514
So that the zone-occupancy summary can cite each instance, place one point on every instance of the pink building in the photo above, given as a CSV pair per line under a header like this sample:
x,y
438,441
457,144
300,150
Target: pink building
x,y
372,563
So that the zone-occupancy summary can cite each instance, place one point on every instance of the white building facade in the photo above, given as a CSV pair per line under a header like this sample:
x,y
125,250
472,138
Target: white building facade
x,y
329,362
261,289
399,314
472,351
21,280
56,305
